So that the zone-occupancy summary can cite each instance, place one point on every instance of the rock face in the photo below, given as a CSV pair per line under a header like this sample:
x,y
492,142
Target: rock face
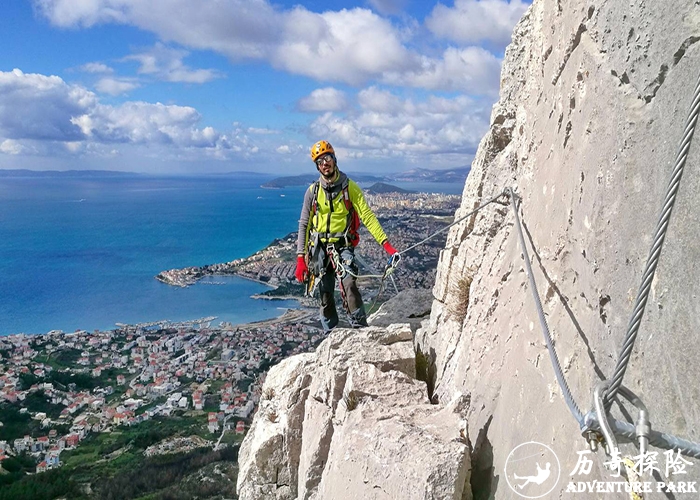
x,y
594,98
409,306
351,421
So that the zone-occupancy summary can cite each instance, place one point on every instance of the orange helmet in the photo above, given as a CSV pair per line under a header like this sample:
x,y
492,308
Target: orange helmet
x,y
321,148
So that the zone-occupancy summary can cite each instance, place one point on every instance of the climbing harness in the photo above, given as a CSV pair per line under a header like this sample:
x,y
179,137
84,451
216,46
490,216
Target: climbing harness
x,y
340,273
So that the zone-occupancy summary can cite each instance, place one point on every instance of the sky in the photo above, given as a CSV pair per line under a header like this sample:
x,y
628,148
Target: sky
x,y
209,86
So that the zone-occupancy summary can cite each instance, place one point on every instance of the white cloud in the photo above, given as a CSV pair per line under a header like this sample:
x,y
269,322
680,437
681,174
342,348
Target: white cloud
x,y
380,101
11,147
73,147
388,6
350,46
43,116
116,86
325,99
167,64
40,109
353,46
237,28
386,125
145,123
261,131
473,21
67,13
472,70
96,67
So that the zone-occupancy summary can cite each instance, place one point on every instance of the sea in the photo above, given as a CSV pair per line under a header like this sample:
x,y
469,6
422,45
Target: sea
x,y
82,252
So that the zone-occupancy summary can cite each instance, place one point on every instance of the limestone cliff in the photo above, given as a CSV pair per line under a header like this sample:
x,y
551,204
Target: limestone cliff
x,y
594,97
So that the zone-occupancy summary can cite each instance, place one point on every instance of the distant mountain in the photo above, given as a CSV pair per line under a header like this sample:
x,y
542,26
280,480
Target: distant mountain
x,y
238,173
383,188
295,180
458,174
306,179
64,173
428,175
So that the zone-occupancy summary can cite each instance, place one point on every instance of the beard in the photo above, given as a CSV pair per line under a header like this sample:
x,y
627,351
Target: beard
x,y
331,174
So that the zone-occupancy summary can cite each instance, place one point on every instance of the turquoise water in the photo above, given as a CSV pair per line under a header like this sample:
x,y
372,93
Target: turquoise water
x,y
82,253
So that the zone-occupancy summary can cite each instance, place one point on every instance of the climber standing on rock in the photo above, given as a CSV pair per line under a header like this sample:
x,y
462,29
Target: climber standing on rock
x,y
329,222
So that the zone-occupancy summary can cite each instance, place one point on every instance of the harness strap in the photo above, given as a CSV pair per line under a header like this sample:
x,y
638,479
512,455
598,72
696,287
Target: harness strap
x,y
352,223
340,273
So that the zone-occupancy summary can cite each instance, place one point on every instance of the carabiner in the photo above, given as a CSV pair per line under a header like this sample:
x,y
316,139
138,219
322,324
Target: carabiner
x,y
336,261
391,265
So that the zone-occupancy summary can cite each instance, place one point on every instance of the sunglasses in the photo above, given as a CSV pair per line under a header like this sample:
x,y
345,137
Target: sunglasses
x,y
324,159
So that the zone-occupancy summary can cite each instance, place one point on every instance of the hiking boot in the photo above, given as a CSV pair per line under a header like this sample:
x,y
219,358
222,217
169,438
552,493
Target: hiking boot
x,y
358,318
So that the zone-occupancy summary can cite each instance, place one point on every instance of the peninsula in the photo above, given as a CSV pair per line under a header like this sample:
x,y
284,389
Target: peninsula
x,y
407,218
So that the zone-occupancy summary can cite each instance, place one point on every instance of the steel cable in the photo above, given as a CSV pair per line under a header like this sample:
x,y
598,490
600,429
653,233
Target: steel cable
x,y
457,221
655,252
573,407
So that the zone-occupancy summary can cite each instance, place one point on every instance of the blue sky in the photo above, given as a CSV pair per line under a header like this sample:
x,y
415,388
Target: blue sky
x,y
186,87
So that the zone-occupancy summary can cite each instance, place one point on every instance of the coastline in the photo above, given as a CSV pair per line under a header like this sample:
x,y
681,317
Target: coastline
x,y
288,316
303,313
271,266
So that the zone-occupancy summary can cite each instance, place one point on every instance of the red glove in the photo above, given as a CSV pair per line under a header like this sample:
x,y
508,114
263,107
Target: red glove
x,y
388,248
302,270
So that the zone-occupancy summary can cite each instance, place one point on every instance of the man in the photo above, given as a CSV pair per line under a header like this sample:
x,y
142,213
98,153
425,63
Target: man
x,y
329,223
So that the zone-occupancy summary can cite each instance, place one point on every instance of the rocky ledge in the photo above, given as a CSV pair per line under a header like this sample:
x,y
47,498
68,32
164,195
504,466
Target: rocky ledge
x,y
352,421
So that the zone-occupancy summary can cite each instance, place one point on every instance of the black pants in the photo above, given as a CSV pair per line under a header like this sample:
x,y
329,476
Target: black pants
x,y
326,287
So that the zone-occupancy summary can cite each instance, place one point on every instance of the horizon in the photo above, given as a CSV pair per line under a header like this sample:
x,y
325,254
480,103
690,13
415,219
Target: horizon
x,y
158,87
213,173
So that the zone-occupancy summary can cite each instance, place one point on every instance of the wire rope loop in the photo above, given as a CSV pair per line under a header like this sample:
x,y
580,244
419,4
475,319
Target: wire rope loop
x,y
611,446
